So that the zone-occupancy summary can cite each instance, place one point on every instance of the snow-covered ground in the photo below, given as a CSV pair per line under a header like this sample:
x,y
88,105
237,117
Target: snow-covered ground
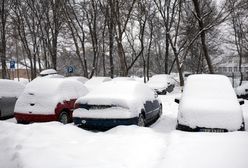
x,y
54,145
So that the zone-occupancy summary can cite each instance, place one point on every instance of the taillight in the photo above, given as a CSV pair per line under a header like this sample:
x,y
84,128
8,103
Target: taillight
x,y
76,106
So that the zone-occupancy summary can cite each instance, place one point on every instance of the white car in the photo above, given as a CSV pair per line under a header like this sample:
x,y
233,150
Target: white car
x,y
209,103
117,103
161,83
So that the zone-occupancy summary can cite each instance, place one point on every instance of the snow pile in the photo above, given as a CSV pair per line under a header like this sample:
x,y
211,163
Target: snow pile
x,y
209,101
54,145
95,81
126,94
206,150
78,78
46,93
10,88
160,82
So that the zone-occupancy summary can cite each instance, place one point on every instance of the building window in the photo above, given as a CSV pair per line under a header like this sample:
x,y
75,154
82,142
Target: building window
x,y
229,69
224,69
220,69
235,69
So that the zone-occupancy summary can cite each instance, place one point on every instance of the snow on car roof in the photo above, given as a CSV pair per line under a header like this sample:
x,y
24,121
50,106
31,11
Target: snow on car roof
x,y
209,101
52,86
95,81
10,88
129,94
48,72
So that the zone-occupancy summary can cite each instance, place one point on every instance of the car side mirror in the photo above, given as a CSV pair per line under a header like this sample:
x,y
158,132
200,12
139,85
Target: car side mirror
x,y
241,101
177,100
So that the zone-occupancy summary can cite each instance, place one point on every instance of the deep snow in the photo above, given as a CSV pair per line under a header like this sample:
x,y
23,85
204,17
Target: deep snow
x,y
55,145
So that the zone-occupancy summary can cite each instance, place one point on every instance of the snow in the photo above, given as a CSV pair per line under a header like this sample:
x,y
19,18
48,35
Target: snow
x,y
111,112
46,93
126,94
242,90
48,72
92,83
160,82
54,145
23,81
10,88
78,78
123,79
209,101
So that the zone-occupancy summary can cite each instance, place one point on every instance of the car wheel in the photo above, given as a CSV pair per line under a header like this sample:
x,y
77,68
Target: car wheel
x,y
141,120
63,117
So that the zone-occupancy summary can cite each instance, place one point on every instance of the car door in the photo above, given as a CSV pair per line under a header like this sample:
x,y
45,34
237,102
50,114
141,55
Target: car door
x,y
7,105
151,109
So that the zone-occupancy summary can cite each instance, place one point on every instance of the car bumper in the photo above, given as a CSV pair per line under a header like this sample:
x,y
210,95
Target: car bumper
x,y
27,118
103,123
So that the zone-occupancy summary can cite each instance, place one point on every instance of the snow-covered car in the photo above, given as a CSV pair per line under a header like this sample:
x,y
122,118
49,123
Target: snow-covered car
x,y
95,81
117,103
161,83
9,92
209,104
48,99
50,73
242,91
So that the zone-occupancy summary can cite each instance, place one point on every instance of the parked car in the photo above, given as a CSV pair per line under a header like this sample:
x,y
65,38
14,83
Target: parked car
x,y
161,83
209,103
242,91
48,99
117,103
9,92
50,73
95,81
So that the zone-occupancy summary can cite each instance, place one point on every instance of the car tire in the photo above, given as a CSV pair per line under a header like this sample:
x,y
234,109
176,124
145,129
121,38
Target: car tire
x,y
63,117
141,121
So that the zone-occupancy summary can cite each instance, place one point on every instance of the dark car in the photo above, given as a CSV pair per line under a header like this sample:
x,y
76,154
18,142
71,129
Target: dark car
x,y
161,83
209,104
48,99
117,103
9,92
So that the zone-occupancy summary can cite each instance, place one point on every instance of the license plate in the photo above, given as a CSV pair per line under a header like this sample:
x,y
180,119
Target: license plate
x,y
211,130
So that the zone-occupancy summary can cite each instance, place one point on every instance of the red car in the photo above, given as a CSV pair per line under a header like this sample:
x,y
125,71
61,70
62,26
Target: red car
x,y
48,99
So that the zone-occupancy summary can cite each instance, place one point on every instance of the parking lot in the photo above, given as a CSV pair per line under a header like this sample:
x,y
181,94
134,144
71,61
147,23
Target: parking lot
x,y
53,144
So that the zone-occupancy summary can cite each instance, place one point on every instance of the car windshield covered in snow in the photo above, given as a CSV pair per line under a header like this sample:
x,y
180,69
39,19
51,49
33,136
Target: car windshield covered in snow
x,y
161,83
118,100
209,102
